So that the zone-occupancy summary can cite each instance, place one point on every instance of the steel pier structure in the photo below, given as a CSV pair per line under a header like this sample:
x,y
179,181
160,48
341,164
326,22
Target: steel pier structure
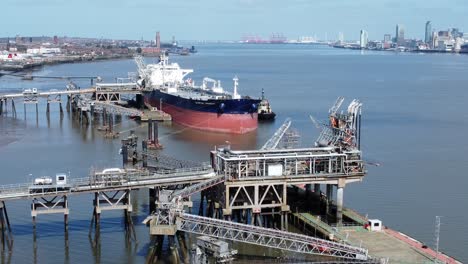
x,y
240,188
253,183
102,95
258,180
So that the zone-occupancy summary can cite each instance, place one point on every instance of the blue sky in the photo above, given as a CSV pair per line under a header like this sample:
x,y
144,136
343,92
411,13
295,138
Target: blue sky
x,y
227,19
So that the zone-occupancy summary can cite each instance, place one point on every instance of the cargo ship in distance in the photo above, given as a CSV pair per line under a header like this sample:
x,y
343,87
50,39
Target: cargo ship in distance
x,y
205,107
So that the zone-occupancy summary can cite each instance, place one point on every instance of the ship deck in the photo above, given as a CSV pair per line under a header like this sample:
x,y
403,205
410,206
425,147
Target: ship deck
x,y
198,94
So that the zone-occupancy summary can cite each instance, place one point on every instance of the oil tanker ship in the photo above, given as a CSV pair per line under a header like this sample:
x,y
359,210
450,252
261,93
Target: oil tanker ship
x,y
205,107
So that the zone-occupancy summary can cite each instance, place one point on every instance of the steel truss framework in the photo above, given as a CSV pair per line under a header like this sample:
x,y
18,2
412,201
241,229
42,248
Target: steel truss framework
x,y
115,109
54,98
255,196
30,99
113,201
47,205
118,200
195,188
56,204
267,237
273,142
295,163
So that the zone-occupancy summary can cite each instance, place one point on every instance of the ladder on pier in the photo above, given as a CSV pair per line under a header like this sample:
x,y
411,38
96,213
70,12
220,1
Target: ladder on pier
x,y
267,237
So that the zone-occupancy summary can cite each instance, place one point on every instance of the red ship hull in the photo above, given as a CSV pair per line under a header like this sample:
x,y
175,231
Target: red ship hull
x,y
225,123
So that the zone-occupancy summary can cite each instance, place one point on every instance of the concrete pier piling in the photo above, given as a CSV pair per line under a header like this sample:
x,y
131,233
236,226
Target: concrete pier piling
x,y
13,108
153,135
5,228
339,203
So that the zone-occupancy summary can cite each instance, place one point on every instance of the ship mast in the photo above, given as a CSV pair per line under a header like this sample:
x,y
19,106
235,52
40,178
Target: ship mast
x,y
236,83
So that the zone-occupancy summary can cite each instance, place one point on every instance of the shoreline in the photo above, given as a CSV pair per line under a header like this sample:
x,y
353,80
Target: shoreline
x,y
18,67
430,51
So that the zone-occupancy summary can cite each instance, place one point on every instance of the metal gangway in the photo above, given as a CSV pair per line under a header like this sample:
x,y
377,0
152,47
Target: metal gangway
x,y
37,94
198,187
112,108
99,181
266,237
273,142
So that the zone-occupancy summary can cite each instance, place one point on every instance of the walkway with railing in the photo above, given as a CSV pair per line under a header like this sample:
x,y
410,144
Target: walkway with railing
x,y
129,179
267,237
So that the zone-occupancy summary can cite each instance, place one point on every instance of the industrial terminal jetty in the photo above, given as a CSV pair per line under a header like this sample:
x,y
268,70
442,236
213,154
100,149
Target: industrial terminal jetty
x,y
195,174
247,196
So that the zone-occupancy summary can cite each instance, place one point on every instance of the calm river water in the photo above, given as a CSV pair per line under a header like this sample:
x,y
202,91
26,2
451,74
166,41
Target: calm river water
x,y
415,119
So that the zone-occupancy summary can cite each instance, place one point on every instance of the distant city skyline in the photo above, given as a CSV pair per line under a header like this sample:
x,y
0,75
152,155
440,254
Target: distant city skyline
x,y
229,20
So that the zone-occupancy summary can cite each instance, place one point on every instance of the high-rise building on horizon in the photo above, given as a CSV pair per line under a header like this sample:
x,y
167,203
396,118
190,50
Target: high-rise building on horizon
x,y
399,34
428,35
158,41
387,38
340,37
364,39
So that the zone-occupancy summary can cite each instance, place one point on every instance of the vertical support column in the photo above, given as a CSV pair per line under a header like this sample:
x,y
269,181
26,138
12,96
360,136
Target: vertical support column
x,y
339,201
13,108
104,117
65,215
124,153
284,208
85,115
317,188
1,107
173,249
128,216
155,133
150,130
92,108
144,146
68,103
111,123
182,246
96,213
227,212
256,210
201,209
37,111
5,228
34,214
329,197
152,199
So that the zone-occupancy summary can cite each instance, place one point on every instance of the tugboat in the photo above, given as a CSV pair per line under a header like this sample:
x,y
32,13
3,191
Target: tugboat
x,y
264,109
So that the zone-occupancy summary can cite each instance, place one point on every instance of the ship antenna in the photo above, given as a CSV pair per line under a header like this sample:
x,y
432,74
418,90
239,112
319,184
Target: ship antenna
x,y
263,94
